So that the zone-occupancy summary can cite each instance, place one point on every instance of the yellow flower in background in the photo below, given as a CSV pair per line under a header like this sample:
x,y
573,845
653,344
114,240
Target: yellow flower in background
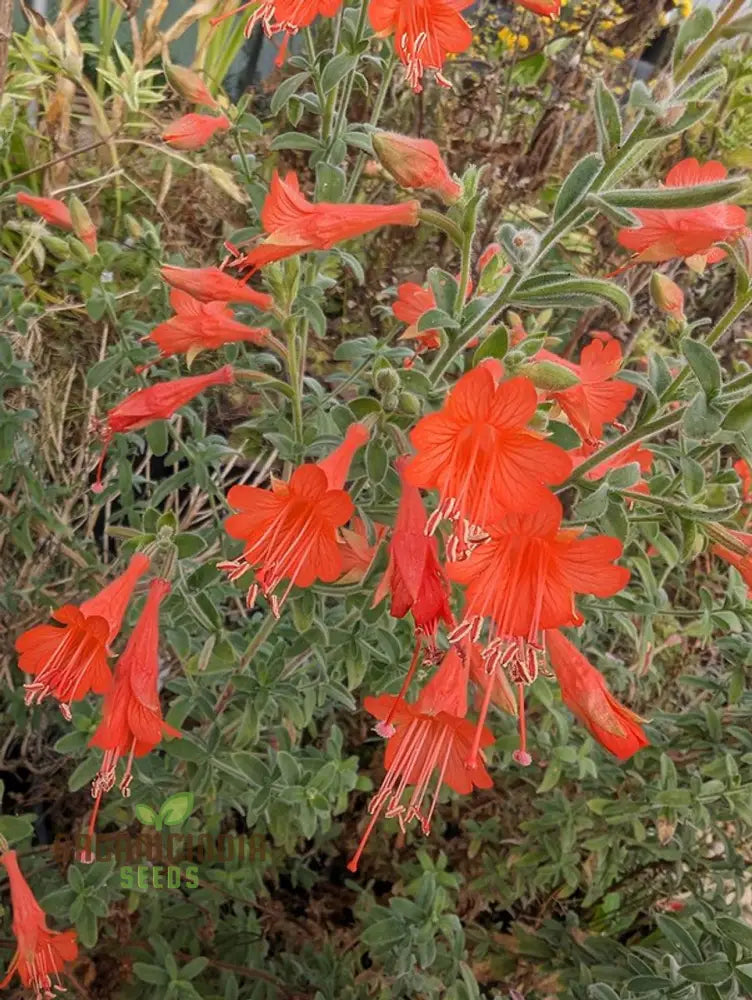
x,y
511,41
618,52
685,8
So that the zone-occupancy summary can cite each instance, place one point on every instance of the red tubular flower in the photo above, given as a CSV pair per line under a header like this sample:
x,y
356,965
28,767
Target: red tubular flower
x,y
291,531
283,15
201,326
524,578
543,8
157,402
41,953
295,225
599,398
414,576
425,32
51,210
415,164
686,232
132,721
585,693
430,735
480,456
744,472
69,662
210,284
412,302
743,563
194,131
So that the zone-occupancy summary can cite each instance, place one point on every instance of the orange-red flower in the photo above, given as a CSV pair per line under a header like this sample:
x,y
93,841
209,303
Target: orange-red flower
x,y
283,15
412,302
599,398
210,284
585,692
479,454
425,32
491,251
744,472
686,232
357,551
295,225
52,210
194,130
41,953
290,532
743,563
69,662
543,8
157,402
132,723
414,577
524,579
201,326
430,735
415,164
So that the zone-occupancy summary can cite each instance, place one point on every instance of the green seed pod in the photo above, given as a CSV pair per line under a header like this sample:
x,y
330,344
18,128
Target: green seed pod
x,y
409,403
390,402
386,380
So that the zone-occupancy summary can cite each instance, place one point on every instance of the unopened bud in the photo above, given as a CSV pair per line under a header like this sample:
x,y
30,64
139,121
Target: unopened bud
x,y
390,402
56,246
409,403
83,227
549,375
520,245
386,380
416,164
667,295
188,84
134,227
79,250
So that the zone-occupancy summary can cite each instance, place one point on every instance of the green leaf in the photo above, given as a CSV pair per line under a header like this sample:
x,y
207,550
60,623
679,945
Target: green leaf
x,y
600,991
150,974
285,90
675,932
194,968
176,808
607,119
330,182
576,292
716,970
739,417
189,544
701,420
735,930
705,366
16,828
157,437
550,778
577,183
377,462
528,71
436,319
294,140
145,814
84,773
495,345
696,196
693,29
337,68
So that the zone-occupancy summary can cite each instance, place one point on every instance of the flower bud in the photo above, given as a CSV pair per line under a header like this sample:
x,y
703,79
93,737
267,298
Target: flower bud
x,y
548,375
390,402
415,163
56,246
386,380
188,84
83,227
667,295
134,227
409,403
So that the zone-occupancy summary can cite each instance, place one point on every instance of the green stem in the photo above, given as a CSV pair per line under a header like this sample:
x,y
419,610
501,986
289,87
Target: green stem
x,y
350,83
311,51
441,222
293,367
378,107
734,311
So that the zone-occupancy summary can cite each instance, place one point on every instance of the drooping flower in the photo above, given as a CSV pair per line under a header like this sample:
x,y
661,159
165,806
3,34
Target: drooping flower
x,y
412,302
199,326
290,532
743,563
690,233
479,454
431,735
425,33
295,225
157,402
194,130
210,284
415,164
543,8
414,577
744,472
585,692
52,210
69,662
667,295
357,551
523,579
41,954
598,398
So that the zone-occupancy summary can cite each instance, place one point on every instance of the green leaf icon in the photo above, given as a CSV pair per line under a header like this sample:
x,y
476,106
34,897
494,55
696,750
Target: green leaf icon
x,y
177,808
145,814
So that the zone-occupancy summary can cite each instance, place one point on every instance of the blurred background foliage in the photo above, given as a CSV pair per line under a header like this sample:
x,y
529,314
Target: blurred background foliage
x,y
577,877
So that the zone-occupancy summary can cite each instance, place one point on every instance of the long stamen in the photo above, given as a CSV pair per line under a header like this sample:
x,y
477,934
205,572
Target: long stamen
x,y
472,761
522,756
